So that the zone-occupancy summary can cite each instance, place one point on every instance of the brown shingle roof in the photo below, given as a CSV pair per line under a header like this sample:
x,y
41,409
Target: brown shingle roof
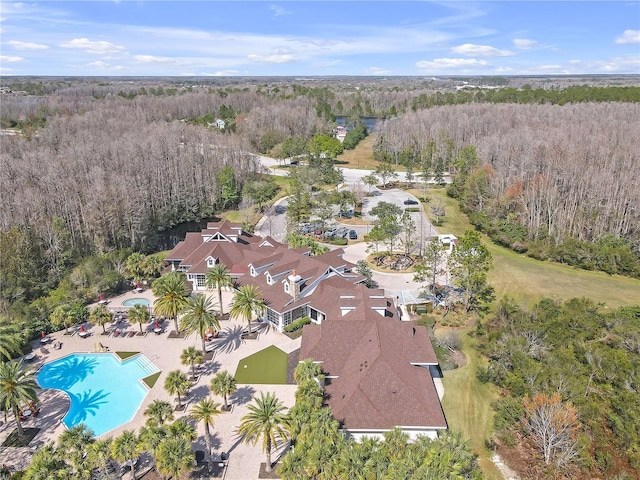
x,y
377,387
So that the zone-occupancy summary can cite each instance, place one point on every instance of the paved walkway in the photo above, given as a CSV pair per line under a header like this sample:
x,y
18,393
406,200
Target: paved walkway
x,y
164,352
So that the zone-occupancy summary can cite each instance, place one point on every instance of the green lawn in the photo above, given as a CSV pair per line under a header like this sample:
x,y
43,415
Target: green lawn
x,y
467,405
527,280
268,366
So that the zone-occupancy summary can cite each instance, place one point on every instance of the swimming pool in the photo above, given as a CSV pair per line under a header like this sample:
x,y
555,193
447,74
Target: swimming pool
x,y
104,391
136,301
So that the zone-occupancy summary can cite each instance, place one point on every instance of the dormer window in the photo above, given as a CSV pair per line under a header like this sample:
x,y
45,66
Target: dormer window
x,y
253,272
286,287
269,279
211,262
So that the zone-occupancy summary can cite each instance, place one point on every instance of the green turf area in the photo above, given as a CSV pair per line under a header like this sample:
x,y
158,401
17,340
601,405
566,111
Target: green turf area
x,y
125,355
268,366
467,405
151,380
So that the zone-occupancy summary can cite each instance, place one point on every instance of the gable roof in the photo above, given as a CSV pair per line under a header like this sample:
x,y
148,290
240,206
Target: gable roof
x,y
323,277
380,369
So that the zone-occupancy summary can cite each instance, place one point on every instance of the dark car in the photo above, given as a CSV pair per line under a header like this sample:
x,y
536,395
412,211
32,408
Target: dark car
x,y
353,235
410,201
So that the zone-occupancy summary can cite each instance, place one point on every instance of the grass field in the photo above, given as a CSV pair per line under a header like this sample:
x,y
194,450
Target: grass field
x,y
360,157
467,405
527,280
268,366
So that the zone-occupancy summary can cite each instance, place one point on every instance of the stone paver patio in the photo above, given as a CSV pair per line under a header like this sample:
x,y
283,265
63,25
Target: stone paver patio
x,y
244,460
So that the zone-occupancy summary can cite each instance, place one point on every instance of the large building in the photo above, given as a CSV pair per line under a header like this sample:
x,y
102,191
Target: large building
x,y
380,371
379,375
295,284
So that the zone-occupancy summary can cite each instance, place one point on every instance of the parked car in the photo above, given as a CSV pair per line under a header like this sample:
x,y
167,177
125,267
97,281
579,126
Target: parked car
x,y
317,231
330,233
342,232
410,201
353,235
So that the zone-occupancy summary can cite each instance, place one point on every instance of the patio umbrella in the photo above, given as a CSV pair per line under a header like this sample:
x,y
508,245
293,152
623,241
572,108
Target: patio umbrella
x,y
101,297
157,326
43,335
82,328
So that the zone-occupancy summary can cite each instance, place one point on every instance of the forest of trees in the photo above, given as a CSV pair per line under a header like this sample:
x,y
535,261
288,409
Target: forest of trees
x,y
101,169
550,180
569,376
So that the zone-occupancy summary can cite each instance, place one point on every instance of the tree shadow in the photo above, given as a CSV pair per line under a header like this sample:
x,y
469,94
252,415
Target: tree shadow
x,y
243,395
229,340
210,367
62,375
199,392
85,404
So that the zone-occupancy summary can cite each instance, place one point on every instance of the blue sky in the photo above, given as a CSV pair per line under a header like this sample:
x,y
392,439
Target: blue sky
x,y
216,38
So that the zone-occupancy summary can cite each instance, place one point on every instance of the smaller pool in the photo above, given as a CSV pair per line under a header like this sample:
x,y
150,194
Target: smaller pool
x,y
136,301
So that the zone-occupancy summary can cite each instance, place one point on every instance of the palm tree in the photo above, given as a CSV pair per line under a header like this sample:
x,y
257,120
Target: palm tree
x,y
17,387
174,457
126,448
139,314
223,383
10,341
152,266
159,412
176,383
172,296
151,436
64,315
308,370
204,411
47,464
134,266
199,317
246,301
100,315
218,277
181,429
99,455
72,445
265,421
191,356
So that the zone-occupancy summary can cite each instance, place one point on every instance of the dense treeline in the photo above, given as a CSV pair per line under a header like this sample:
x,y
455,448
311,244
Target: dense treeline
x,y
581,368
552,180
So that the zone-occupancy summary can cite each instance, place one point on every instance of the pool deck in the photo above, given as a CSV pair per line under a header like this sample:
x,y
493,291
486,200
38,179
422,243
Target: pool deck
x,y
244,460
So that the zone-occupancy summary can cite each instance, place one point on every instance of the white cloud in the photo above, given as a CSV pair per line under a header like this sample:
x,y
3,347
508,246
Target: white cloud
x,y
379,71
275,58
4,58
629,36
452,63
223,73
152,59
524,43
105,66
278,10
629,64
471,50
18,45
99,47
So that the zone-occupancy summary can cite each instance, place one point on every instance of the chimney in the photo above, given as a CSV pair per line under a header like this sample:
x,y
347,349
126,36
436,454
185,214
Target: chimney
x,y
294,285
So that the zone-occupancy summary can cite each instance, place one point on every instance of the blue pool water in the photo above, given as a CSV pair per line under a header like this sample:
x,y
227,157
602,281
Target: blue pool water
x,y
104,391
136,301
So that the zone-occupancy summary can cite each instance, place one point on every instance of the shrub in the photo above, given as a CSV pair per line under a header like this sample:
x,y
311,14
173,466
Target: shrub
x,y
301,322
339,241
